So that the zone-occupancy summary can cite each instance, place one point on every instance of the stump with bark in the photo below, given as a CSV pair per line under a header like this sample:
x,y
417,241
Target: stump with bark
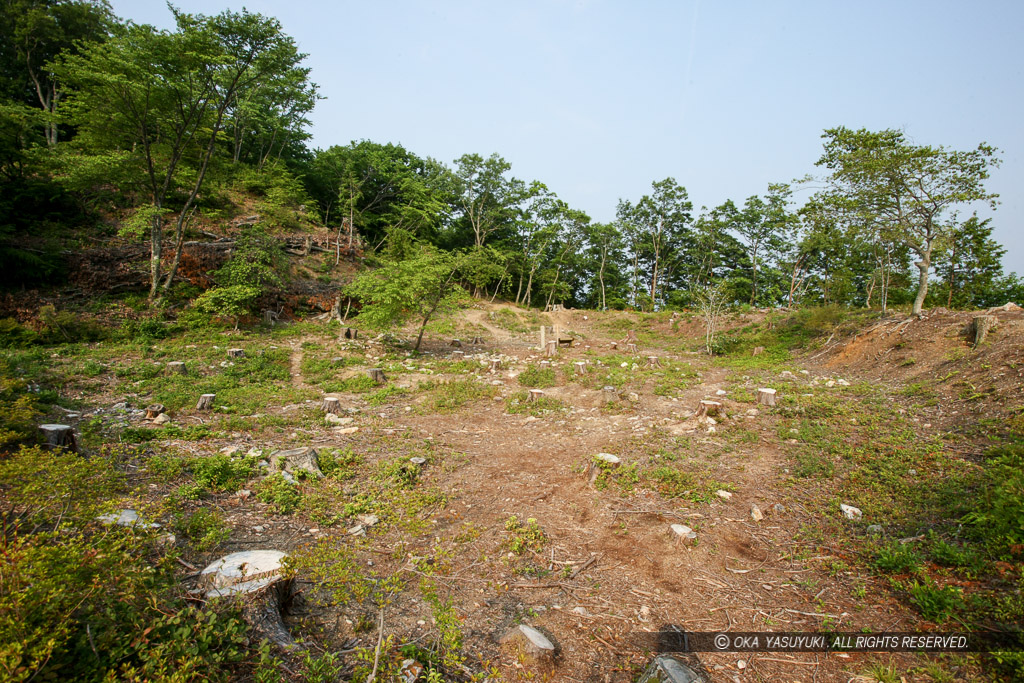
x,y
236,353
377,375
631,348
457,343
350,333
458,355
652,361
535,395
709,409
257,577
176,367
295,460
981,326
581,368
758,350
331,405
766,397
495,366
552,348
477,341
610,394
59,437
545,364
153,410
205,402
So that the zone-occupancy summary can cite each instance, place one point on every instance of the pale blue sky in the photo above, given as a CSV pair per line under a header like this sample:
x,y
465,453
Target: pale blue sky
x,y
597,99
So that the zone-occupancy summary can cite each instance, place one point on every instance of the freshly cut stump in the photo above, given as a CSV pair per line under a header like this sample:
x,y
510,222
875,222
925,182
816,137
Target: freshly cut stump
x,y
331,405
535,395
205,402
611,395
600,462
758,350
581,368
766,397
532,647
552,349
59,437
495,366
457,343
652,361
631,348
256,576
709,409
153,410
458,355
377,375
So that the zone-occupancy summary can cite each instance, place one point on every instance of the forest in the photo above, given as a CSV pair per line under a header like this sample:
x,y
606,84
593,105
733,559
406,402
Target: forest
x,y
114,131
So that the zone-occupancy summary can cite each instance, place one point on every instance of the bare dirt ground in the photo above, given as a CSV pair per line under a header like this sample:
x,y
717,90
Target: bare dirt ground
x,y
610,568
633,575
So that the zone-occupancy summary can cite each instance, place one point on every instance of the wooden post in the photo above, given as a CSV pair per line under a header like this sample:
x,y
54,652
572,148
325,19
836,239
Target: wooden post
x,y
236,353
581,368
495,366
205,402
377,375
653,362
552,349
535,395
176,367
331,405
766,397
153,410
543,340
709,408
59,437
981,326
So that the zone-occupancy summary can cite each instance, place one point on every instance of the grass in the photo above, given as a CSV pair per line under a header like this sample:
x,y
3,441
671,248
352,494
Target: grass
x,y
520,404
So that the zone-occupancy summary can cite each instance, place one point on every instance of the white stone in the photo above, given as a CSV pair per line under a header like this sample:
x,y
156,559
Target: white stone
x,y
724,495
850,512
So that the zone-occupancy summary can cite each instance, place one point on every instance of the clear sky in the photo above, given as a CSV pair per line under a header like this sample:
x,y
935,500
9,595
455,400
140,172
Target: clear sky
x,y
598,98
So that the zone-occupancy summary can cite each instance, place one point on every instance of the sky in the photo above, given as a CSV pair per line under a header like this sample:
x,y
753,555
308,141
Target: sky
x,y
597,99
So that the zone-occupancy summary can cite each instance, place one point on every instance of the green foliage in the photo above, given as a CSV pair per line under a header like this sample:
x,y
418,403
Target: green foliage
x,y
936,604
17,409
448,397
998,520
205,528
537,377
339,463
519,403
257,261
281,495
232,302
898,558
221,472
524,536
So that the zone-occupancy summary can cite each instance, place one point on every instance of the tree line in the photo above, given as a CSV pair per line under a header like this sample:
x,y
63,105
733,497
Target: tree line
x,y
104,118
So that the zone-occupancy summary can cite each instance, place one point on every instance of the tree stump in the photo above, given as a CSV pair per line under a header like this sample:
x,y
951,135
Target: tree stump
x,y
377,375
615,345
350,333
981,326
457,343
631,348
545,364
709,409
331,405
581,368
610,394
758,350
176,367
552,348
495,366
257,576
270,316
652,361
458,355
205,402
236,353
295,461
477,341
59,437
601,462
766,397
153,410
535,395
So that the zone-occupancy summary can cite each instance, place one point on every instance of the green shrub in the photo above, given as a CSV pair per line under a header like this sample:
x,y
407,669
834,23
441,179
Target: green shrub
x,y
14,334
936,604
998,520
524,536
205,528
281,495
898,558
537,378
221,472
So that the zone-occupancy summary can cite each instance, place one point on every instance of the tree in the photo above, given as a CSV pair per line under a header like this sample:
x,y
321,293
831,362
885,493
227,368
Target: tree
x,y
487,198
907,187
764,225
421,288
971,265
604,247
657,226
38,32
161,99
711,301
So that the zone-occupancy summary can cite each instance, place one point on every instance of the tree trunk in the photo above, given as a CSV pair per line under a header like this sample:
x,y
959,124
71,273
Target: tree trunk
x,y
922,283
